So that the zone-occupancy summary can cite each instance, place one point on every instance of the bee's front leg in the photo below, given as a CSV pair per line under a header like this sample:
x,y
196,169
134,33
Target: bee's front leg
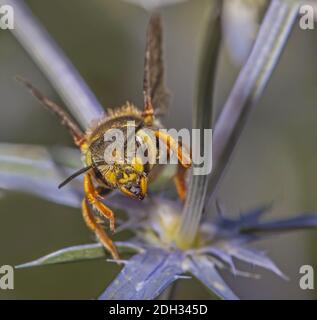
x,y
91,196
184,161
93,225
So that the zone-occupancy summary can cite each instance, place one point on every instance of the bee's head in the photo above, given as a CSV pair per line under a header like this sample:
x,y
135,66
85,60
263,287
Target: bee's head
x,y
132,181
130,177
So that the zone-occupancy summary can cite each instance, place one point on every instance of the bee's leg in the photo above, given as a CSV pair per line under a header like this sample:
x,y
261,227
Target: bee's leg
x,y
148,112
92,196
184,160
172,145
98,230
102,192
63,116
180,182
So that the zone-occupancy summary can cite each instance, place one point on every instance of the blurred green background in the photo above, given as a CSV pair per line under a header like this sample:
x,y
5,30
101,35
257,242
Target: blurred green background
x,y
276,158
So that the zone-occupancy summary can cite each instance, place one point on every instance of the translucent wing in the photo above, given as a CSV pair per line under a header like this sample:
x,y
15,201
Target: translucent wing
x,y
154,85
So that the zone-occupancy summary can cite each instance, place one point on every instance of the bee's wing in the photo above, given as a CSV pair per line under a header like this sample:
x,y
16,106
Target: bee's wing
x,y
154,83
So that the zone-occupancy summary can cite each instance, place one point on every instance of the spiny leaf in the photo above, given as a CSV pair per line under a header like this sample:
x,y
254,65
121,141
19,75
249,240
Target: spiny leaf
x,y
205,271
221,255
78,253
33,169
253,257
303,221
39,170
145,276
244,221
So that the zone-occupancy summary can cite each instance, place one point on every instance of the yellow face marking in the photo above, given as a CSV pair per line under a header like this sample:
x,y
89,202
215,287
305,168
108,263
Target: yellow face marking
x,y
137,164
127,178
111,177
143,186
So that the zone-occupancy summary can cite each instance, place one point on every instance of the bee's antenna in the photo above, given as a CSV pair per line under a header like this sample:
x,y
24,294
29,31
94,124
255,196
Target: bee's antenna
x,y
74,175
62,115
79,172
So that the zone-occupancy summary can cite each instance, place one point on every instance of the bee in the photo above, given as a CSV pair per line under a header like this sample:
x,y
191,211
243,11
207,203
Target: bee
x,y
131,178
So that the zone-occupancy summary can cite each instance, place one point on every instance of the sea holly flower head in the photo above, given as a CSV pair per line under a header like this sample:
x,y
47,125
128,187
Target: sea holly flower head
x,y
154,257
170,240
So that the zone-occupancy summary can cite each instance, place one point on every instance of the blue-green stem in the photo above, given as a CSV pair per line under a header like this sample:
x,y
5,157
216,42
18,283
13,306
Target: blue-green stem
x,y
250,84
202,120
60,72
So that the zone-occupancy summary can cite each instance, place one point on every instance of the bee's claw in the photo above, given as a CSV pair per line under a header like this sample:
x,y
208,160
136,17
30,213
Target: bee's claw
x,y
91,222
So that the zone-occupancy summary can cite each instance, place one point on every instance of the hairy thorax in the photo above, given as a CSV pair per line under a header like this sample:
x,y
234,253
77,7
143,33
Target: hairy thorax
x,y
121,172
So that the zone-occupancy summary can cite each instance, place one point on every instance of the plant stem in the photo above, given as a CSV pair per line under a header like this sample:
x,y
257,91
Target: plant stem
x,y
66,80
202,120
250,84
